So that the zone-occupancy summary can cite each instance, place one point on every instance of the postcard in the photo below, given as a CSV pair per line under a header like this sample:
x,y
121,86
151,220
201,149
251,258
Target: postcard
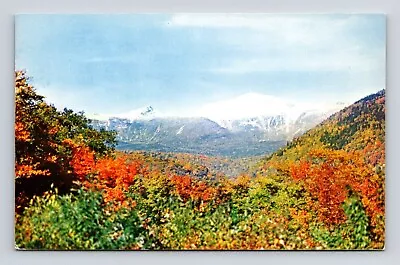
x,y
200,131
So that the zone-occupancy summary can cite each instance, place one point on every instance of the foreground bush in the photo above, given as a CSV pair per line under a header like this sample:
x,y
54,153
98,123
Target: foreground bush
x,y
250,214
76,222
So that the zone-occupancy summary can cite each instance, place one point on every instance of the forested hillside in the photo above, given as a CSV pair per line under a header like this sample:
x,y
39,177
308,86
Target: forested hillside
x,y
324,190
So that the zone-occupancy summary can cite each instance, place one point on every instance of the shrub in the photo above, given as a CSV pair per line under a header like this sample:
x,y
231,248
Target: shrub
x,y
72,222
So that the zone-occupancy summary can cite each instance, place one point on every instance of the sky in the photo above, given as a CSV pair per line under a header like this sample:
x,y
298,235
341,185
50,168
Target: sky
x,y
177,63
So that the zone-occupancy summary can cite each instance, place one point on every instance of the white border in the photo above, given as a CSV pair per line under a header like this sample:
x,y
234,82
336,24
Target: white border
x,y
8,255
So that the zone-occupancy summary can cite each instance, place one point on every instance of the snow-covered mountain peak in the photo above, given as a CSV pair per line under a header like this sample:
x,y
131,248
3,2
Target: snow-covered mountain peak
x,y
250,110
244,106
256,105
138,114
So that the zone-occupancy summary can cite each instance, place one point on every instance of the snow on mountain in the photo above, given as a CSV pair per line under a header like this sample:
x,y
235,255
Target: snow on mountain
x,y
180,130
244,106
250,124
138,114
246,113
254,110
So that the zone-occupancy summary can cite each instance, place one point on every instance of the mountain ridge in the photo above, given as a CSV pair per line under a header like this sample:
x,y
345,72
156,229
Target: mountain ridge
x,y
242,136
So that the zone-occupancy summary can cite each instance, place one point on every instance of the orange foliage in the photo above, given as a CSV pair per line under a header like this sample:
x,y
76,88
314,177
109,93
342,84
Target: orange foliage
x,y
111,175
187,188
82,161
27,171
21,134
115,176
299,171
329,174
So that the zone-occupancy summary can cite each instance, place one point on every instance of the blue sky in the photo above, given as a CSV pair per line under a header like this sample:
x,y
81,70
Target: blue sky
x,y
179,62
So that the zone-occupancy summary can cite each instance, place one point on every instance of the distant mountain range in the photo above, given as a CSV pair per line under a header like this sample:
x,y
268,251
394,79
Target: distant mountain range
x,y
251,124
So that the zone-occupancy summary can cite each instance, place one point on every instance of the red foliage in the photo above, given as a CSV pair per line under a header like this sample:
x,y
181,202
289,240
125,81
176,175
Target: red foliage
x,y
82,161
114,176
299,171
329,177
187,188
111,175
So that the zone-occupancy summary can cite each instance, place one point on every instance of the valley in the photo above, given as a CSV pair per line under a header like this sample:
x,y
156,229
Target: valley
x,y
311,187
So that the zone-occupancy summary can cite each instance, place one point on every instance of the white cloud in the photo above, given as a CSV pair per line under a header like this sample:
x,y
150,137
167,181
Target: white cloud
x,y
345,60
255,104
287,42
290,28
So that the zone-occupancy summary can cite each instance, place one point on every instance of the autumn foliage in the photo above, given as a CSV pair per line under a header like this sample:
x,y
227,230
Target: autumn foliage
x,y
186,187
331,176
324,190
51,147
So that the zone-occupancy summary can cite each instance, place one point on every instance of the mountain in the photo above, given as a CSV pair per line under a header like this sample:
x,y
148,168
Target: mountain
x,y
278,118
248,125
187,135
339,161
358,128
